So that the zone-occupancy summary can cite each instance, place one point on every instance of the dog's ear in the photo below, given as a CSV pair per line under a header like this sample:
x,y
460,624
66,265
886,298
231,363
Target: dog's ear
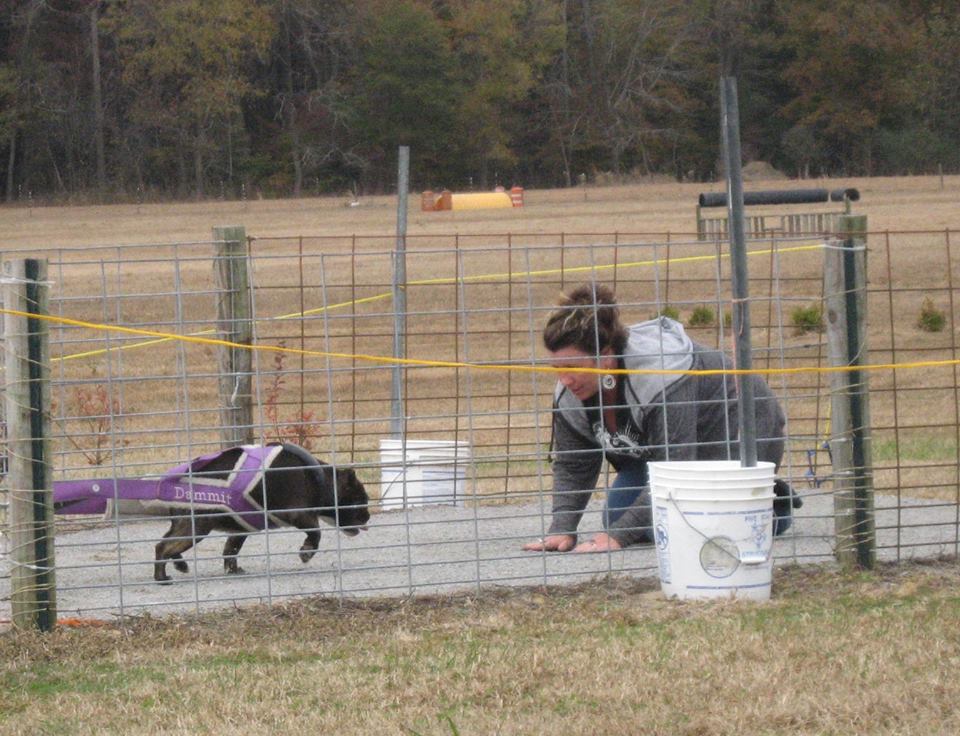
x,y
345,476
350,489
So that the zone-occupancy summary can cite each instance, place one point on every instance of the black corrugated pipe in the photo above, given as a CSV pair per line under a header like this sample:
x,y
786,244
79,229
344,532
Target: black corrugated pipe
x,y
782,196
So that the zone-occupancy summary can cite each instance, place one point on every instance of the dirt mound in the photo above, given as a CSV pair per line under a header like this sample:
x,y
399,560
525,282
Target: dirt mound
x,y
761,171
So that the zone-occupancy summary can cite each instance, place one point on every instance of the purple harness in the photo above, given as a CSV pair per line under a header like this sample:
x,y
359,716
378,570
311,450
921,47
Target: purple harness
x,y
183,487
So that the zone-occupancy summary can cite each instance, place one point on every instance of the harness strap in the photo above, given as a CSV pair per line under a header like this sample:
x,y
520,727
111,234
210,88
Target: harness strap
x,y
183,487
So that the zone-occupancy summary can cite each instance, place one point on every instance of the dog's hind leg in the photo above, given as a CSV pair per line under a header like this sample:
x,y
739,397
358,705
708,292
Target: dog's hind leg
x,y
183,533
231,549
179,564
179,538
309,547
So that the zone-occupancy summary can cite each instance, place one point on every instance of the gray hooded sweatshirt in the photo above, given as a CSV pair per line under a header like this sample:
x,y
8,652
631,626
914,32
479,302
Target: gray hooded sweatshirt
x,y
668,417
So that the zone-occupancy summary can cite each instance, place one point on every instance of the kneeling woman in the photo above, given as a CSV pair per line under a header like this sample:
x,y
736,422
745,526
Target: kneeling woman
x,y
635,418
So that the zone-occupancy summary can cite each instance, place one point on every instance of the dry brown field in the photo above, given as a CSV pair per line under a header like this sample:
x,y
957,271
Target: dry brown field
x,y
894,203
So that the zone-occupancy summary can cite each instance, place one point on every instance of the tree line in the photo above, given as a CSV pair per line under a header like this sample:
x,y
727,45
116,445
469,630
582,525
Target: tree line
x,y
203,98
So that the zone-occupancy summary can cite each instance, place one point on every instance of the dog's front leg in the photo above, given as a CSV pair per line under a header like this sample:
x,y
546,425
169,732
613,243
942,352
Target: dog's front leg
x,y
231,549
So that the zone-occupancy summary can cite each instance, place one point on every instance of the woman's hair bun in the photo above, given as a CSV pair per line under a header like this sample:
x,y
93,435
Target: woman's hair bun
x,y
587,318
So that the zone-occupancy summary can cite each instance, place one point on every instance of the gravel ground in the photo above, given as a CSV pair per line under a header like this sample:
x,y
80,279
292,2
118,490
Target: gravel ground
x,y
105,570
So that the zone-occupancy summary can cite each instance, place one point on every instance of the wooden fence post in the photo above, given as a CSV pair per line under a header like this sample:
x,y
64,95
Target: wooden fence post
x,y
235,325
33,601
845,286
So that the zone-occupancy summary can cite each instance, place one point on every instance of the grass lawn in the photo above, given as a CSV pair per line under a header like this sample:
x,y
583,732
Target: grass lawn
x,y
830,653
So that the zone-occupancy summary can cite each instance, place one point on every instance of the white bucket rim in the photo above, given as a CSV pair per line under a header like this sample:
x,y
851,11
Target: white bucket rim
x,y
699,481
400,453
706,481
725,467
392,442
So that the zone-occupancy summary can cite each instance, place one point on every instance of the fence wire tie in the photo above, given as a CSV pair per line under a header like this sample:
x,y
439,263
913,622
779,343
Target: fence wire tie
x,y
236,390
34,568
8,279
854,248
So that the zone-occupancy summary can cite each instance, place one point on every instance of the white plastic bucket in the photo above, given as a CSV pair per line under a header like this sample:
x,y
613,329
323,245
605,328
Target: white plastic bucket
x,y
421,472
713,525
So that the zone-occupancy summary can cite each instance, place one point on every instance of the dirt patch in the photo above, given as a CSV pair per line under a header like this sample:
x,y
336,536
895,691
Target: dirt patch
x,y
761,171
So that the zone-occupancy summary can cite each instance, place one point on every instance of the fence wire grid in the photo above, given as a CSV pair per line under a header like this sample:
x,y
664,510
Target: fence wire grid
x,y
131,405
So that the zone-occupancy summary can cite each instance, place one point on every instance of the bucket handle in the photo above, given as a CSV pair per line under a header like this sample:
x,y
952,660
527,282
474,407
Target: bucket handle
x,y
753,558
749,557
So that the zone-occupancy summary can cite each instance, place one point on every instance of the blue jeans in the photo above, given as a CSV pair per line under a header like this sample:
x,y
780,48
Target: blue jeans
x,y
623,492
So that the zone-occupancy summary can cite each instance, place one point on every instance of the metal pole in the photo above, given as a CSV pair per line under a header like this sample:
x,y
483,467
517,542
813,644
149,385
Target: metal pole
x,y
235,324
33,590
400,291
854,229
738,256
845,269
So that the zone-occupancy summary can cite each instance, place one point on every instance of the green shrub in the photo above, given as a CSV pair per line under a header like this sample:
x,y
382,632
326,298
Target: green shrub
x,y
931,319
667,311
807,319
701,316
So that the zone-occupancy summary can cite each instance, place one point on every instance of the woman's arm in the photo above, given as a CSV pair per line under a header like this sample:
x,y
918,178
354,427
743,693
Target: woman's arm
x,y
670,433
576,468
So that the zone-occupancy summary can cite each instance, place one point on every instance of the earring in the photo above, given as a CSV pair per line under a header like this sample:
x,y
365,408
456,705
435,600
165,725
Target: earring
x,y
608,382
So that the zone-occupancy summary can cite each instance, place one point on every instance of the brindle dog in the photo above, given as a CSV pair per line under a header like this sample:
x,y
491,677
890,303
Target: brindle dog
x,y
301,491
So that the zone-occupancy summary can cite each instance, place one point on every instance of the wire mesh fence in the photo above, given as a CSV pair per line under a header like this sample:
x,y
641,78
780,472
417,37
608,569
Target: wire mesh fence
x,y
135,378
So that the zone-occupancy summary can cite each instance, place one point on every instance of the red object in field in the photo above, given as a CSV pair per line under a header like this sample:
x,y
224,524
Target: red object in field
x,y
431,201
516,196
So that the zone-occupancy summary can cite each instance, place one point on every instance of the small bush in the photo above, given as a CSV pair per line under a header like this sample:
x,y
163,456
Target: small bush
x,y
94,410
302,427
728,319
701,316
807,319
931,319
667,311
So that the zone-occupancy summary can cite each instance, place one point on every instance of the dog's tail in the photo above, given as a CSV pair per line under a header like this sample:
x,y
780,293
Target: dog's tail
x,y
313,466
301,454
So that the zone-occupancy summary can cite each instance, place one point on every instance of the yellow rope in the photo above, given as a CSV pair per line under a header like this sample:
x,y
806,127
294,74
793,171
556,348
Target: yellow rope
x,y
455,279
390,360
198,337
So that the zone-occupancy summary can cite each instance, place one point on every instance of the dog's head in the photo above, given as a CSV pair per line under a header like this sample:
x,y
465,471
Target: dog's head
x,y
352,512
